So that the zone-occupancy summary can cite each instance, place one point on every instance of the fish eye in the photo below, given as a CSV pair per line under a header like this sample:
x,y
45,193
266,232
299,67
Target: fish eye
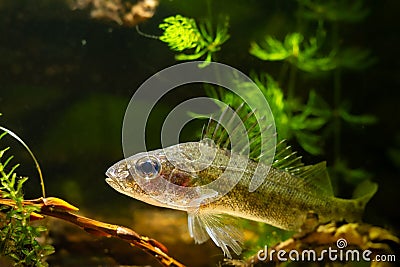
x,y
148,167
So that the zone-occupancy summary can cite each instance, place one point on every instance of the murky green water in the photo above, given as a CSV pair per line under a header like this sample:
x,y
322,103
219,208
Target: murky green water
x,y
66,79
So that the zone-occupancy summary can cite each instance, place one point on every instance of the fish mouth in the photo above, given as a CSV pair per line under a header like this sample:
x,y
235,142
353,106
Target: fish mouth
x,y
110,173
110,176
110,181
113,182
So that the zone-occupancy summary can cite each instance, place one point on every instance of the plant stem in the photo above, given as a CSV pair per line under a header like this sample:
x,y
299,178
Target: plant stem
x,y
283,72
292,81
337,75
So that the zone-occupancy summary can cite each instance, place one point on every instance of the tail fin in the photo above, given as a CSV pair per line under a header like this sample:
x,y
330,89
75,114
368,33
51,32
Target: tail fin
x,y
363,193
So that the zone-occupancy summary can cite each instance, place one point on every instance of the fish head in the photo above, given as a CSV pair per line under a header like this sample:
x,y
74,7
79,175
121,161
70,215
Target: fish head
x,y
121,176
160,177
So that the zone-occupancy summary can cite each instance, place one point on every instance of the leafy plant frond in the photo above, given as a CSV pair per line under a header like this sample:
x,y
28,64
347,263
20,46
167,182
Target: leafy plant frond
x,y
294,49
18,238
183,34
293,119
364,119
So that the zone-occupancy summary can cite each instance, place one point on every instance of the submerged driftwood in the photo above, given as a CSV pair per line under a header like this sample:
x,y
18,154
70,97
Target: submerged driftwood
x,y
61,209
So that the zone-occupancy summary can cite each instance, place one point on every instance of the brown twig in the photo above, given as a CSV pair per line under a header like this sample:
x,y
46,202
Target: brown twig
x,y
61,209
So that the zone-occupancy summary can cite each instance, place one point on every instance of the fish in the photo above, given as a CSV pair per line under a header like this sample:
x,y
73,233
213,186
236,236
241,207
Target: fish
x,y
289,193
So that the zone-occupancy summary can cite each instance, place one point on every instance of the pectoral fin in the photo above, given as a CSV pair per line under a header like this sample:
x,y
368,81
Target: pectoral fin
x,y
203,225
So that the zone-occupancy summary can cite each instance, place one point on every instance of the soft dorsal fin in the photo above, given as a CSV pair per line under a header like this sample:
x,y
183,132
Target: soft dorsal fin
x,y
315,177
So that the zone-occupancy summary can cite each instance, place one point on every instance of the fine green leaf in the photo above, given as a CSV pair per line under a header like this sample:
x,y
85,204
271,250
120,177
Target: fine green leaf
x,y
184,34
357,119
18,238
295,49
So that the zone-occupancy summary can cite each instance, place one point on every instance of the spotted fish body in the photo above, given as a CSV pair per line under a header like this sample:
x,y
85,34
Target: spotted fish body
x,y
284,199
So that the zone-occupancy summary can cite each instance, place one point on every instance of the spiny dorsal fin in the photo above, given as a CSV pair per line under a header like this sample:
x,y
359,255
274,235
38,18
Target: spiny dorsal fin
x,y
215,131
313,176
238,124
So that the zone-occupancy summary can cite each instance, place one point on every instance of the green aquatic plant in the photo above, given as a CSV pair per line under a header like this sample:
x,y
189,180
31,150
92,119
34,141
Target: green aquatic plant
x,y
308,55
312,54
293,119
319,52
305,55
18,237
182,33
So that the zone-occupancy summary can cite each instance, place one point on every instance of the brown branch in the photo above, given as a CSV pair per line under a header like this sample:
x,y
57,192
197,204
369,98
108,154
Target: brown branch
x,y
61,209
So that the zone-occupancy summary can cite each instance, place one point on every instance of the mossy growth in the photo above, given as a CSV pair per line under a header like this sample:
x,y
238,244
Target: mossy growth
x,y
19,239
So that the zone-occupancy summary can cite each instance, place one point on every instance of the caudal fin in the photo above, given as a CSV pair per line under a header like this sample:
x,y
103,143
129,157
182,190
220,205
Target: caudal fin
x,y
363,193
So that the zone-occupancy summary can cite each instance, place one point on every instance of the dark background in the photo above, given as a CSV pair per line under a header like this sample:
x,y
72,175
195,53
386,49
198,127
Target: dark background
x,y
66,80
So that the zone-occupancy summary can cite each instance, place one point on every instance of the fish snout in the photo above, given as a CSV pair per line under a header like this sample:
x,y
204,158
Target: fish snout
x,y
116,176
117,172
